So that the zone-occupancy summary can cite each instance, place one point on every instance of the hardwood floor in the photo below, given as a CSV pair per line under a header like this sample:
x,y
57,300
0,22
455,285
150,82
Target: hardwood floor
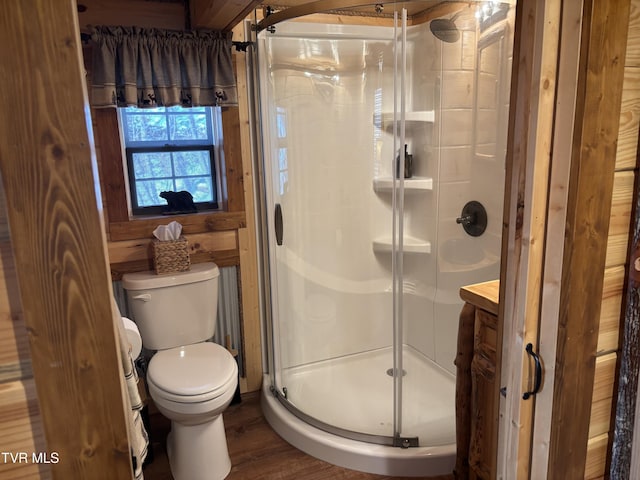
x,y
257,452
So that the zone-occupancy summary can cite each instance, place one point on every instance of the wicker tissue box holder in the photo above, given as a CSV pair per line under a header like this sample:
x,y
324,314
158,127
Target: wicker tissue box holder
x,y
171,256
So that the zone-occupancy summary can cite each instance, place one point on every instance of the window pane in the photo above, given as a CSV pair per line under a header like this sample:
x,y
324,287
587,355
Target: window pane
x,y
188,127
199,187
284,178
282,158
147,127
178,108
152,165
148,192
192,162
144,110
281,123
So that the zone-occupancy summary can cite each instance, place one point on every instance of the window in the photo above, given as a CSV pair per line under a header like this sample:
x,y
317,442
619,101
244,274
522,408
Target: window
x,y
283,165
170,149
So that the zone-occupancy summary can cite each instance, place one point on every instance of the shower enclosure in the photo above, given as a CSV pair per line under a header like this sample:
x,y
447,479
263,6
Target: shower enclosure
x,y
383,150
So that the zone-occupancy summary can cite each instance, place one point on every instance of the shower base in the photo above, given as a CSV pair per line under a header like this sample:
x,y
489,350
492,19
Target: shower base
x,y
322,390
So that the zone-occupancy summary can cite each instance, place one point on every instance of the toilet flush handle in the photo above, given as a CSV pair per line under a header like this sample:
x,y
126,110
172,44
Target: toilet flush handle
x,y
145,297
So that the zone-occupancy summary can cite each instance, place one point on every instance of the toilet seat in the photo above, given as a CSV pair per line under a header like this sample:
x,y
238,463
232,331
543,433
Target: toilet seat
x,y
192,373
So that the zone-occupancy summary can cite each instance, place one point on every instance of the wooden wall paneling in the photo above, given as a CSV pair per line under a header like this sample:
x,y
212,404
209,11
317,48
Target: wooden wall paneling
x,y
141,13
630,114
222,258
131,250
588,212
632,57
194,223
596,458
58,239
609,329
225,237
600,420
604,377
136,255
233,158
620,219
112,174
247,238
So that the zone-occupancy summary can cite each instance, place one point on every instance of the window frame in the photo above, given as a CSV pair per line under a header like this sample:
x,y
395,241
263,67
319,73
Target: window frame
x,y
122,226
132,147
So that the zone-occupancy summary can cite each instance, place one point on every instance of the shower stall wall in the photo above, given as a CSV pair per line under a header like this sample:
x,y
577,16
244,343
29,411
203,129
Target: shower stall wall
x,y
364,315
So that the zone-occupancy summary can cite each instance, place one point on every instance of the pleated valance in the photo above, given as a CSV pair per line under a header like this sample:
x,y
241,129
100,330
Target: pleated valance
x,y
146,67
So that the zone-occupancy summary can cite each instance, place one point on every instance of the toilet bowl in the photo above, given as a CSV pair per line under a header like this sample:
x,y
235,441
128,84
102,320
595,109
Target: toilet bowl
x,y
191,386
190,380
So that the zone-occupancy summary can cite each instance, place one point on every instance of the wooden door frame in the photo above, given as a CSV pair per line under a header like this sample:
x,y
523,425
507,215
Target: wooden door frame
x,y
529,143
48,169
50,55
562,145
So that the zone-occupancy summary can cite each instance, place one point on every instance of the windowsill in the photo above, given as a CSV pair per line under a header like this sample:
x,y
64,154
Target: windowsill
x,y
159,216
199,222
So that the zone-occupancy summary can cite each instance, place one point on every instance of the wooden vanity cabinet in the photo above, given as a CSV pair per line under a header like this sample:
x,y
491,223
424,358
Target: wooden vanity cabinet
x,y
478,383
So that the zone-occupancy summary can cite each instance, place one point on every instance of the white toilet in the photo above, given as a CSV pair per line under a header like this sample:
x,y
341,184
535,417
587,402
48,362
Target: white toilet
x,y
191,381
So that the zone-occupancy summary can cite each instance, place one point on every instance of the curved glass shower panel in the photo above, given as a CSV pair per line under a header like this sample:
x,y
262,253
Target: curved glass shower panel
x,y
460,70
327,110
365,302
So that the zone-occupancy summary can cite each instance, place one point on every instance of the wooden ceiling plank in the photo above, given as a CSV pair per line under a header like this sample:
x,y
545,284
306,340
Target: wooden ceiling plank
x,y
220,14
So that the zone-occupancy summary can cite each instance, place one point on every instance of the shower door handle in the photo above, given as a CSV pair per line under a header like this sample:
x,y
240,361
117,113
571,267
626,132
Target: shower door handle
x,y
278,224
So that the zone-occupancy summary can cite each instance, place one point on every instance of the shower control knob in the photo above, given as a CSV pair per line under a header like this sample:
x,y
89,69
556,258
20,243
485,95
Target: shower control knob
x,y
465,220
473,218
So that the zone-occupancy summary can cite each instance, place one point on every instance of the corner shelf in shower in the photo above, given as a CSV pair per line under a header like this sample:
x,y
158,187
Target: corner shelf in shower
x,y
420,116
413,184
409,245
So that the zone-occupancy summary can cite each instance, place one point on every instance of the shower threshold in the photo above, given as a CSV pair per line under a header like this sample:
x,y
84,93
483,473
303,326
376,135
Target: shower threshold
x,y
432,417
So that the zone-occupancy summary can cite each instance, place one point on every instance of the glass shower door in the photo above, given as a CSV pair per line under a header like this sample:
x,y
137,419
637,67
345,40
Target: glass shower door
x,y
331,140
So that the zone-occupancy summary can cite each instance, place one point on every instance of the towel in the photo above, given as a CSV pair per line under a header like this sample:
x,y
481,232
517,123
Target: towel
x,y
138,438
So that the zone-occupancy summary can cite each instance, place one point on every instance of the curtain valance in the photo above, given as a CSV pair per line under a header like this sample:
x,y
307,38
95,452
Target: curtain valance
x,y
144,67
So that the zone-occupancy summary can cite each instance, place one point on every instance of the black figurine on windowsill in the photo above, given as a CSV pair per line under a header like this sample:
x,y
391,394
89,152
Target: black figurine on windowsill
x,y
178,202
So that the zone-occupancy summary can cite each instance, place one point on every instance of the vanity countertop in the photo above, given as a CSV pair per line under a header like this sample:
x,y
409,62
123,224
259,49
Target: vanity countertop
x,y
483,295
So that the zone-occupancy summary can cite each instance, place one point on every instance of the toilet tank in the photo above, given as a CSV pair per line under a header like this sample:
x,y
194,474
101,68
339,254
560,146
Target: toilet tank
x,y
175,309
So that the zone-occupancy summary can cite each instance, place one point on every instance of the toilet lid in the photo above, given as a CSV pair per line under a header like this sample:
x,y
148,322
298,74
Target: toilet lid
x,y
191,370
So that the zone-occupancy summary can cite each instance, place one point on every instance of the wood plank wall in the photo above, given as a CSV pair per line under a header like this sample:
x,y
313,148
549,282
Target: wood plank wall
x,y
626,168
226,238
20,419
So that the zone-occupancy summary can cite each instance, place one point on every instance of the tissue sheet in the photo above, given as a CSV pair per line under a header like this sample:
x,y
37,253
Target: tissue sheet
x,y
168,232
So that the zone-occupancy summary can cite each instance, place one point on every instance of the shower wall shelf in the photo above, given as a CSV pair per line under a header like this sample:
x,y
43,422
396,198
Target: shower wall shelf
x,y
420,116
409,245
413,184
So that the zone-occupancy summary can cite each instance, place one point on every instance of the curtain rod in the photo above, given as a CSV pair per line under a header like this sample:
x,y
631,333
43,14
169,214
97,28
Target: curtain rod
x,y
85,38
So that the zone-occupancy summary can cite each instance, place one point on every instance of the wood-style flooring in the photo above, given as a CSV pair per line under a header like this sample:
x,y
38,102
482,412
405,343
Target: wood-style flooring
x,y
257,452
